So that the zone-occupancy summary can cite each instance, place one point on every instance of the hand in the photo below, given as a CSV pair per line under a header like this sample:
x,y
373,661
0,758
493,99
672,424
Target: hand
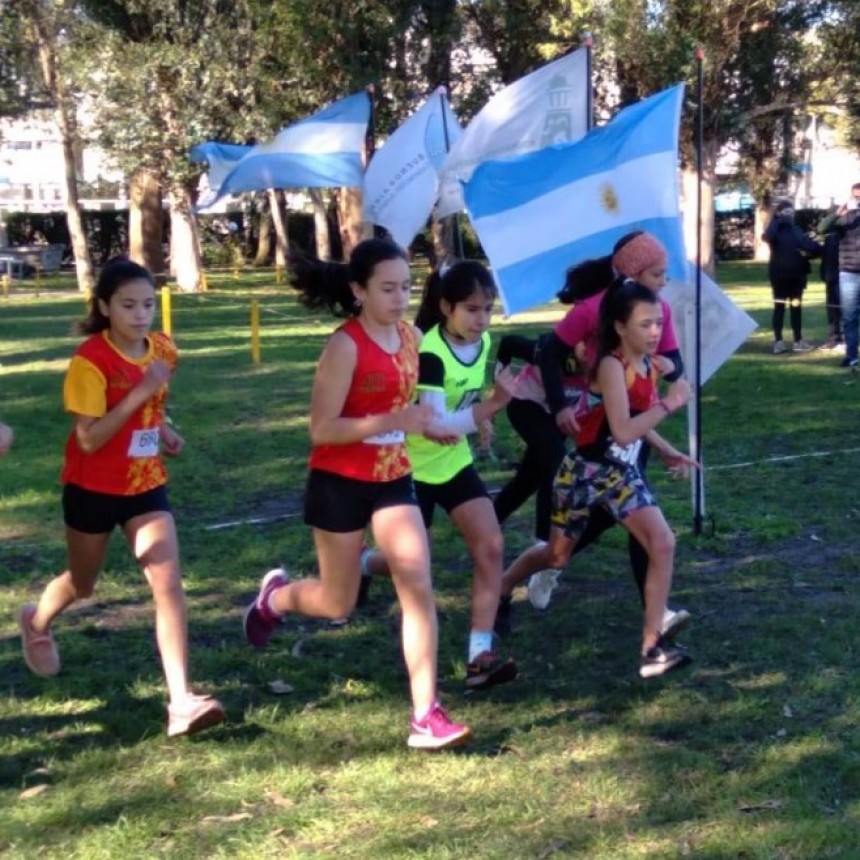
x,y
6,437
678,394
678,463
171,442
157,374
505,388
566,421
417,419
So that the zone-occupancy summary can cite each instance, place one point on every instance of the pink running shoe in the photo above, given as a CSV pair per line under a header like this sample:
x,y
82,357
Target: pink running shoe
x,y
40,650
260,622
436,731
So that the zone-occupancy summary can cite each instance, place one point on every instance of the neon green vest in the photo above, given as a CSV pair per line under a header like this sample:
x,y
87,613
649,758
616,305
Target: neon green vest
x,y
433,463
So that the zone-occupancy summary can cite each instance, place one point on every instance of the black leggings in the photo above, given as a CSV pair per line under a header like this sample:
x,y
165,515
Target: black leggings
x,y
795,314
545,447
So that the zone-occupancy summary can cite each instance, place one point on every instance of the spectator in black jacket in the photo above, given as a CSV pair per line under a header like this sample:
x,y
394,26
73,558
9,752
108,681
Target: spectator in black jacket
x,y
789,266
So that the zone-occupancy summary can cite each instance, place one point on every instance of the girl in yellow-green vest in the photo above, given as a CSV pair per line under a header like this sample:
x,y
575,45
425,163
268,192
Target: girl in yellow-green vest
x,y
452,372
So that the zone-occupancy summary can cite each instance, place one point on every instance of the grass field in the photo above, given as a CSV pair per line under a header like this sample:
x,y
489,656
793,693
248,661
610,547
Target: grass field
x,y
751,753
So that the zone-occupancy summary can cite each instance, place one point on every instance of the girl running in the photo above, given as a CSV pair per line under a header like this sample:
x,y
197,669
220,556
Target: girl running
x,y
452,373
360,475
563,358
623,409
113,475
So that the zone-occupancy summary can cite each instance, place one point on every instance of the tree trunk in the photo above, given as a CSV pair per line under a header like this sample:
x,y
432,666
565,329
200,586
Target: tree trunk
x,y
264,239
282,239
444,241
184,241
45,36
321,234
145,235
352,228
689,191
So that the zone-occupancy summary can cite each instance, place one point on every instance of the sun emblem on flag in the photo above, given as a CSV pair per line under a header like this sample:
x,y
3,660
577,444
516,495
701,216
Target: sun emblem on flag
x,y
609,198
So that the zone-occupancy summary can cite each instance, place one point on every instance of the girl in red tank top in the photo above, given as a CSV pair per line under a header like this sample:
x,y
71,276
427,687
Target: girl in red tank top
x,y
361,410
604,471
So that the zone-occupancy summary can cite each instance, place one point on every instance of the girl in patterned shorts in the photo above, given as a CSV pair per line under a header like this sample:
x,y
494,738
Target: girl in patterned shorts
x,y
622,410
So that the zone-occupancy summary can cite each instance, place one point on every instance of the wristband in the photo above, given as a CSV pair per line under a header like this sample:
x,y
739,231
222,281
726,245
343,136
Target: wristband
x,y
665,406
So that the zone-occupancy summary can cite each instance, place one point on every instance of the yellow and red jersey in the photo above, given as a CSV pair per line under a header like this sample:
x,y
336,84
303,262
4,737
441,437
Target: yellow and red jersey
x,y
381,383
98,378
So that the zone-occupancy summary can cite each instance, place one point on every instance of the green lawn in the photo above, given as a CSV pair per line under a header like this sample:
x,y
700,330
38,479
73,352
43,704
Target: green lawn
x,y
751,753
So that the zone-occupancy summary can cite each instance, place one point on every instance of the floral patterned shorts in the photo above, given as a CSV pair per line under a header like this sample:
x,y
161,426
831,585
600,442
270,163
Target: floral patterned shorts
x,y
582,484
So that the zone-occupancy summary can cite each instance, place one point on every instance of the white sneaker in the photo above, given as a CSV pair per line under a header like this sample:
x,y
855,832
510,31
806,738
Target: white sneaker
x,y
541,586
674,621
780,346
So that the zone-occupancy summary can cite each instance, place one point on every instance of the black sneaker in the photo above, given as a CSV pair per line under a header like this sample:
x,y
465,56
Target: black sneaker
x,y
662,658
503,626
487,670
850,363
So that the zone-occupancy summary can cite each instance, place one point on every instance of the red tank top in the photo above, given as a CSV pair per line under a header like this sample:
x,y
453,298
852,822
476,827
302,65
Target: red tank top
x,y
594,441
381,383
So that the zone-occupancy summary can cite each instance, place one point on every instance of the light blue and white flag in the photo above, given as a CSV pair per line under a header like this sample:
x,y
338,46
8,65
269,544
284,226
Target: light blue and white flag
x,y
539,213
322,151
549,105
402,180
220,158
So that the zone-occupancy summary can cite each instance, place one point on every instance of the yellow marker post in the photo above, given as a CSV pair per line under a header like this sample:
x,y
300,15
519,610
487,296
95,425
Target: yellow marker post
x,y
279,274
6,280
166,323
255,331
204,284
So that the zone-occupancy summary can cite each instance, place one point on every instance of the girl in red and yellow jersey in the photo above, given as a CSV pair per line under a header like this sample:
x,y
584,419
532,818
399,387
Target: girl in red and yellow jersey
x,y
622,410
113,475
360,475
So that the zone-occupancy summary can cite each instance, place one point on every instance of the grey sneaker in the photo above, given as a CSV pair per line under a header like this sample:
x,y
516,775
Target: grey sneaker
x,y
780,346
674,621
541,586
802,346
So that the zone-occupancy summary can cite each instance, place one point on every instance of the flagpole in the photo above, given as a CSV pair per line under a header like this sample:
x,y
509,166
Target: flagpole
x,y
589,95
698,501
458,236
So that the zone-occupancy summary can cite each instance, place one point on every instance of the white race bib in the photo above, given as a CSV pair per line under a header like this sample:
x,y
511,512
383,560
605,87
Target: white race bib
x,y
395,437
144,443
628,455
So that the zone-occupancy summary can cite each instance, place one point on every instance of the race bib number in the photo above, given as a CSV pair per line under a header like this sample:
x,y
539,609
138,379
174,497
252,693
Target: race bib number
x,y
144,443
395,437
626,455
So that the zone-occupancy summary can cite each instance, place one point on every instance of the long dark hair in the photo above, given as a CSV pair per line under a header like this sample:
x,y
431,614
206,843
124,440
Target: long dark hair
x,y
591,277
326,285
116,273
616,307
456,285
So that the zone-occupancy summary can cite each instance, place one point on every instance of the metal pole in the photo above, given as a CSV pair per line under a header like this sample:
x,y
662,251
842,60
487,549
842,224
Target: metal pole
x,y
698,513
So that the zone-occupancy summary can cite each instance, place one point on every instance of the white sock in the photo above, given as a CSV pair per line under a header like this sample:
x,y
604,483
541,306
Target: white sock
x,y
480,641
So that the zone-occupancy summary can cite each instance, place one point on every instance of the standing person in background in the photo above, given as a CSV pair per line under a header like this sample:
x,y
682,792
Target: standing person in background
x,y
829,271
845,223
113,475
788,269
360,474
6,438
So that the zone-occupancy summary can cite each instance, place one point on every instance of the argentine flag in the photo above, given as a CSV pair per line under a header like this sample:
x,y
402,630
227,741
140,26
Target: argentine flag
x,y
540,213
323,151
220,158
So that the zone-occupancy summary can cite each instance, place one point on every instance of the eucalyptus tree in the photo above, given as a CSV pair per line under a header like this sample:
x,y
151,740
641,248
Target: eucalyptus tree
x,y
46,54
165,76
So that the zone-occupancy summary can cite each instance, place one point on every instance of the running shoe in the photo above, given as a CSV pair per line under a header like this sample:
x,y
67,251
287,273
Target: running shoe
x,y
260,622
662,658
39,649
487,670
541,587
436,731
674,621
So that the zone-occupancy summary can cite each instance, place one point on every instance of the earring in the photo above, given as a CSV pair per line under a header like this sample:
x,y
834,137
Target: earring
x,y
357,304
